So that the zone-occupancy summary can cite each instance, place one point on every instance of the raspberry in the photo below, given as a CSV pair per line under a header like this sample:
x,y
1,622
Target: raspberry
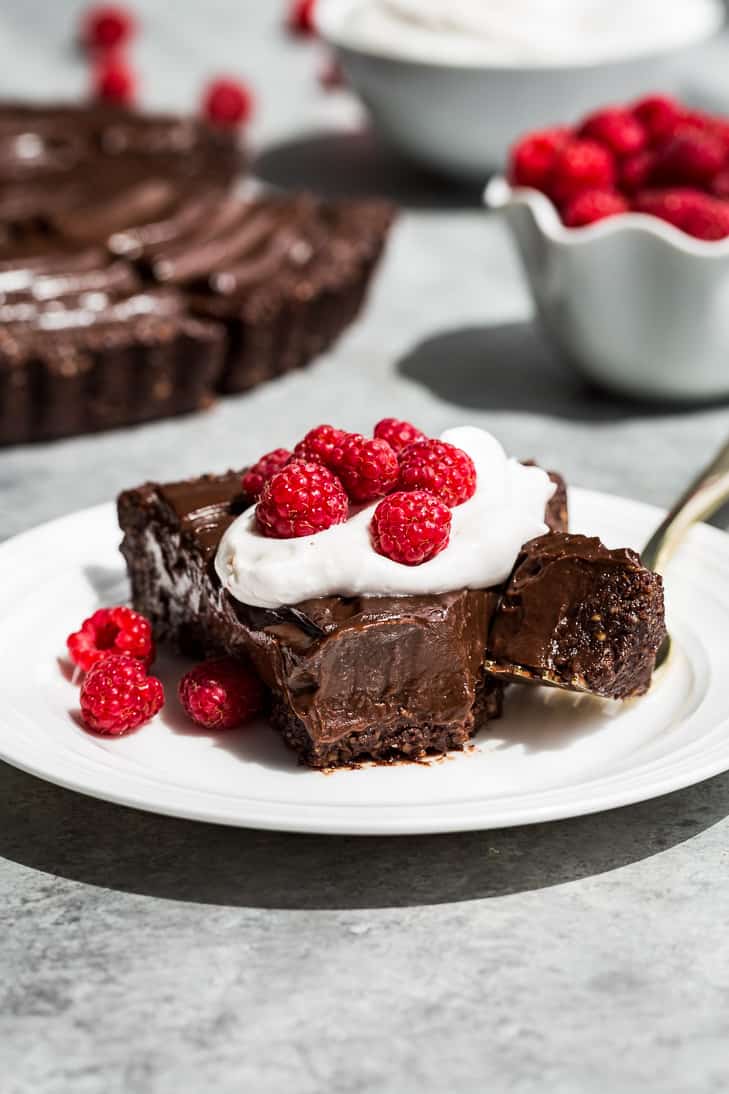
x,y
411,527
720,184
221,694
107,27
581,165
113,81
659,114
532,158
117,695
367,467
261,471
592,205
398,434
111,630
300,18
320,444
692,211
444,470
691,157
619,130
227,102
301,500
635,171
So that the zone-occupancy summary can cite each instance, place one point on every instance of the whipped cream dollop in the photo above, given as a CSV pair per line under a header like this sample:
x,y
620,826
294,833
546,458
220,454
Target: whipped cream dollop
x,y
487,533
530,32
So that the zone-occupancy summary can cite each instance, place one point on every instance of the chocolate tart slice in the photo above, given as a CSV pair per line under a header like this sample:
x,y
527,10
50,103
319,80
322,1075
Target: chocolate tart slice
x,y
351,679
577,615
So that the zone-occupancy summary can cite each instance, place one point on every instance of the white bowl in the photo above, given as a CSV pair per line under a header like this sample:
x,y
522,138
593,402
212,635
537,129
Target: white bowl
x,y
462,118
635,304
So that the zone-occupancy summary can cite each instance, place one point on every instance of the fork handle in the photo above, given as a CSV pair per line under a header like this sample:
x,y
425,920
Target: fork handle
x,y
704,496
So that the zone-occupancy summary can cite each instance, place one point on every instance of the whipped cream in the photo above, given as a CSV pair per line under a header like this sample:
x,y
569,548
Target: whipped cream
x,y
487,533
528,32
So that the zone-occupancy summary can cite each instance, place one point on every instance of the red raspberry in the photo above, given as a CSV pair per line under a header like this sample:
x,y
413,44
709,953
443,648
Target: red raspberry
x,y
117,695
411,527
107,27
581,165
367,467
111,630
659,114
692,211
720,185
113,81
398,434
320,444
691,157
635,171
261,471
227,102
301,500
444,470
618,129
592,205
532,158
221,694
300,18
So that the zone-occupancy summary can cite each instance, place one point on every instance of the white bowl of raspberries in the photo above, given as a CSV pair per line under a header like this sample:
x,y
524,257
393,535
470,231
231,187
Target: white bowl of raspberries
x,y
622,224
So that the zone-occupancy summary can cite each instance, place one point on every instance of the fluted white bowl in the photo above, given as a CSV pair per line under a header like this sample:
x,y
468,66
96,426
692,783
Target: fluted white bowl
x,y
632,302
462,118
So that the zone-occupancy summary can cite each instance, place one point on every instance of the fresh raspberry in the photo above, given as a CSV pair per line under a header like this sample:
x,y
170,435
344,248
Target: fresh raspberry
x,y
221,694
227,102
691,157
692,211
532,158
720,185
581,165
111,630
659,114
592,205
367,467
300,18
117,695
444,470
398,434
320,444
618,129
636,171
411,527
261,471
301,500
113,81
107,27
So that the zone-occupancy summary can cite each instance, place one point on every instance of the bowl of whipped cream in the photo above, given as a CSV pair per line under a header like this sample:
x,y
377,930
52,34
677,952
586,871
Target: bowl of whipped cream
x,y
451,83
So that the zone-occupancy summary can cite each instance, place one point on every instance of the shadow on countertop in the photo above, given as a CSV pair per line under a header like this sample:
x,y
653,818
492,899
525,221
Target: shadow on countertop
x,y
338,165
511,366
70,836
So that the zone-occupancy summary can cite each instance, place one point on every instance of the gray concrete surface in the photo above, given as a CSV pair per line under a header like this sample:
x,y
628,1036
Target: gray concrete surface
x,y
143,954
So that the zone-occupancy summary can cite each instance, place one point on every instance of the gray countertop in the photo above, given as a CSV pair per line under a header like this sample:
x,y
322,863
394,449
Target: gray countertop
x,y
143,954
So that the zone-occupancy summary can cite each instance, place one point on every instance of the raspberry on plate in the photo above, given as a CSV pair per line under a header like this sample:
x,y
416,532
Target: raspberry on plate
x,y
367,467
659,114
117,695
411,527
619,130
111,630
300,500
636,171
444,470
227,102
113,81
593,205
532,158
261,471
221,693
691,157
300,18
398,434
107,26
694,212
581,165
321,443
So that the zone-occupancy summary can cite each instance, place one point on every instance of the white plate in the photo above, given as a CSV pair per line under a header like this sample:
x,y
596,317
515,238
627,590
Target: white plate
x,y
548,758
